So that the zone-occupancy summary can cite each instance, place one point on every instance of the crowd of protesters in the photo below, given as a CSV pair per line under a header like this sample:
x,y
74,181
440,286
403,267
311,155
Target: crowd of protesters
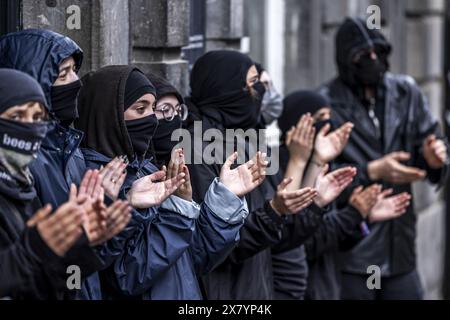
x,y
91,176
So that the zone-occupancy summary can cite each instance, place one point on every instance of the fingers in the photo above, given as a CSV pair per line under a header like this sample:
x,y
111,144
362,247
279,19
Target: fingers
x,y
173,184
157,176
40,215
297,194
73,193
85,182
283,185
405,174
93,181
400,156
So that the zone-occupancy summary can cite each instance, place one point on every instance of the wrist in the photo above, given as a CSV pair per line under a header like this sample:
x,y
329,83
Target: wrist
x,y
372,170
318,161
275,209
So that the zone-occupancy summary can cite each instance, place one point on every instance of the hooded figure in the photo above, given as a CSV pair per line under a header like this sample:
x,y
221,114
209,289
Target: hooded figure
x,y
397,117
312,271
218,90
29,269
220,99
59,162
164,248
162,143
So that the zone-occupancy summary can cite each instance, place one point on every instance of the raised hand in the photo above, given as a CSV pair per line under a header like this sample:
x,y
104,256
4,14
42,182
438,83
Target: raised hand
x,y
177,165
364,200
300,139
152,190
435,152
246,177
389,208
390,169
329,146
61,230
292,202
117,218
330,186
113,176
93,194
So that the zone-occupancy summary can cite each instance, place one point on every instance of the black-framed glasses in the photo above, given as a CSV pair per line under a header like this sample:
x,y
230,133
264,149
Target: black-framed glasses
x,y
168,111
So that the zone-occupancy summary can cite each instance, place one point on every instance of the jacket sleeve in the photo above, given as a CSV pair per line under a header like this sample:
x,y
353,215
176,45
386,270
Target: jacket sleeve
x,y
423,124
154,247
336,227
262,228
222,215
299,228
24,264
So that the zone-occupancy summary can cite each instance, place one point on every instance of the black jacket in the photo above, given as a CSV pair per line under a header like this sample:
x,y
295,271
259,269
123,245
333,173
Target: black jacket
x,y
247,272
407,122
28,268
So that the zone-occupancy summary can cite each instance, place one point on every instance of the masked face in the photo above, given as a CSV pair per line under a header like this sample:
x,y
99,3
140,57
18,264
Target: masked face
x,y
141,132
370,69
272,105
162,140
64,101
19,145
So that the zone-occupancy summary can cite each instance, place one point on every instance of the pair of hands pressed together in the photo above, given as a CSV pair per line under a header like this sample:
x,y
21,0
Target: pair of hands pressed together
x,y
376,205
84,211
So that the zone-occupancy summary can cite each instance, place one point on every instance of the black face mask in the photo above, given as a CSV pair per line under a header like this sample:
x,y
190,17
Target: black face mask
x,y
64,102
370,72
141,132
162,140
259,92
19,145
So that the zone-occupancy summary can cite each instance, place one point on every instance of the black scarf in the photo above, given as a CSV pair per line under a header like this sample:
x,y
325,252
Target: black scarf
x,y
218,90
64,102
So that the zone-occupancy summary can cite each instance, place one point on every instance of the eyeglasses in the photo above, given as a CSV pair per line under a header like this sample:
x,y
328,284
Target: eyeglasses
x,y
169,111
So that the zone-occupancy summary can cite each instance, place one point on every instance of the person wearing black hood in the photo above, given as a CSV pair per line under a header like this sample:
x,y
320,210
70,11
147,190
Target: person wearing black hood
x,y
340,228
32,245
226,94
54,60
170,239
395,142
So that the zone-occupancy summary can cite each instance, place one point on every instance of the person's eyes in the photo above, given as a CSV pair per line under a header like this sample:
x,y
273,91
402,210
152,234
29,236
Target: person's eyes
x,y
141,109
15,116
38,118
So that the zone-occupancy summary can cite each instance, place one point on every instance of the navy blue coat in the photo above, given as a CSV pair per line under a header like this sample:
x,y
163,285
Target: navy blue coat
x,y
60,163
163,249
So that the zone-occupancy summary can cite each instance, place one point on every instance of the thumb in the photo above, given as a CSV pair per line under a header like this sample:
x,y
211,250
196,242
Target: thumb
x,y
40,215
231,159
325,130
430,139
73,193
283,185
401,156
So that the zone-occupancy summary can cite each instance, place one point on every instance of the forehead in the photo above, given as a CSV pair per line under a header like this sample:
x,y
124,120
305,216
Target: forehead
x,y
67,63
168,99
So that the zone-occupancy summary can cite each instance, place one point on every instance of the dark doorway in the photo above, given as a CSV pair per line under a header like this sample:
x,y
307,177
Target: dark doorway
x,y
10,16
196,46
